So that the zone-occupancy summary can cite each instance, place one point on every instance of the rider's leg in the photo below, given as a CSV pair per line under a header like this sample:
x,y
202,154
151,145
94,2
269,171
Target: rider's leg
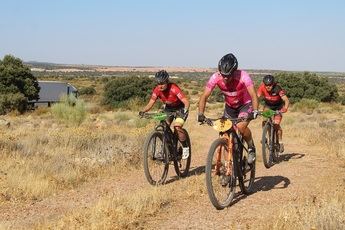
x,y
180,133
246,133
247,136
279,131
277,120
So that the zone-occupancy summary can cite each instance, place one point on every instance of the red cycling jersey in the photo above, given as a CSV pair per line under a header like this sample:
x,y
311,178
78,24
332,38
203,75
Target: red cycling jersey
x,y
272,98
172,96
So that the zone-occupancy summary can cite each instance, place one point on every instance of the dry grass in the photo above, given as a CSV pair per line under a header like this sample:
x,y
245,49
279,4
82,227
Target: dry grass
x,y
40,157
327,213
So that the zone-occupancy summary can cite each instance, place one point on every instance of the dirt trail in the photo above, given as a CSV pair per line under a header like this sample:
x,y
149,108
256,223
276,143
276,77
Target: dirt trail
x,y
295,178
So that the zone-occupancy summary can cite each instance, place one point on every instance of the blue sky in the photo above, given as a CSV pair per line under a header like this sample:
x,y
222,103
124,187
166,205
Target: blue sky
x,y
282,34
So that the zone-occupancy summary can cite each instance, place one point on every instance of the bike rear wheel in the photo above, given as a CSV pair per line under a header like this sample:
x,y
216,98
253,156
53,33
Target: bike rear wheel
x,y
156,160
246,172
267,145
219,192
182,165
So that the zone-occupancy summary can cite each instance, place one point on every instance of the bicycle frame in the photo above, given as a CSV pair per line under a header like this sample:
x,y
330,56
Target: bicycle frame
x,y
230,135
168,135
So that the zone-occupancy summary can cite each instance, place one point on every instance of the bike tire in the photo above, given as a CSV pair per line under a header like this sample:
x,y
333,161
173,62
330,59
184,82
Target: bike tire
x,y
266,143
220,195
153,164
244,169
182,165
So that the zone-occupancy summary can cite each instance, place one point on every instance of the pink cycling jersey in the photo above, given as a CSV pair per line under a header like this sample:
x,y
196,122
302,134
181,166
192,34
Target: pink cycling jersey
x,y
235,91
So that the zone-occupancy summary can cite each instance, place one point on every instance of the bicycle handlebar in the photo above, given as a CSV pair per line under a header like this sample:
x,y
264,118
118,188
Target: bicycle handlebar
x,y
162,113
209,121
269,113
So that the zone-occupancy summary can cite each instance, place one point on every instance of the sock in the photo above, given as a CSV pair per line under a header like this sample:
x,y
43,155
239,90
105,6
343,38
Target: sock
x,y
184,144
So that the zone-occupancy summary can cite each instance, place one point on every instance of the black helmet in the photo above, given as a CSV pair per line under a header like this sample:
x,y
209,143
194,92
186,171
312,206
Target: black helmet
x,y
227,65
268,80
162,77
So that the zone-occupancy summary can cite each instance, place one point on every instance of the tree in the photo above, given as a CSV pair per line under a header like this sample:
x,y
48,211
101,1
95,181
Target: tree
x,y
17,83
122,89
307,85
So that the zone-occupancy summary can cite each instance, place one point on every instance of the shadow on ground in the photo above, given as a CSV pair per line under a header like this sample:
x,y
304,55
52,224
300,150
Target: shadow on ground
x,y
265,183
192,172
289,156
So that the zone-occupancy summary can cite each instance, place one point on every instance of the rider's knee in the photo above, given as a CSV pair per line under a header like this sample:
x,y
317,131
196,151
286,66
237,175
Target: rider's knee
x,y
242,129
277,126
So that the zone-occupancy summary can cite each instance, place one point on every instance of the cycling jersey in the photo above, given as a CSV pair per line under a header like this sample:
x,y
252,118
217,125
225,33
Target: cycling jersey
x,y
272,98
235,91
171,97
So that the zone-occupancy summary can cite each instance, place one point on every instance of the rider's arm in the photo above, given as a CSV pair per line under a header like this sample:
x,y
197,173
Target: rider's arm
x,y
203,99
175,89
286,102
186,103
254,97
149,105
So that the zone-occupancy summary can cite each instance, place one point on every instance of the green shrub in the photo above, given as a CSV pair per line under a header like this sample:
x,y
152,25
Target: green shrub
x,y
216,96
70,110
10,101
195,92
119,92
307,85
87,90
341,100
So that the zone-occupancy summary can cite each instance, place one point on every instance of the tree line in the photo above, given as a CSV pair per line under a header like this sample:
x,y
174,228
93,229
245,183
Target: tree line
x,y
18,86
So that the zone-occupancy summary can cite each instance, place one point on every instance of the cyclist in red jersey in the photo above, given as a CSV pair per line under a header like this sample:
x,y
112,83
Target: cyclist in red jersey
x,y
175,100
275,99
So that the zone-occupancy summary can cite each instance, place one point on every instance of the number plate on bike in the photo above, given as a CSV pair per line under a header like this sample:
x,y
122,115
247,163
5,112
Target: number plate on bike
x,y
222,125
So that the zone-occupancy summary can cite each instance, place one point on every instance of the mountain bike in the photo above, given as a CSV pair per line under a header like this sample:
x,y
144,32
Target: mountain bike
x,y
161,147
270,139
227,162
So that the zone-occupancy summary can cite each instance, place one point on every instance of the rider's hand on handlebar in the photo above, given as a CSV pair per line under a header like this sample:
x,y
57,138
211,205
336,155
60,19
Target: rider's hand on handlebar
x,y
283,110
185,114
255,114
201,117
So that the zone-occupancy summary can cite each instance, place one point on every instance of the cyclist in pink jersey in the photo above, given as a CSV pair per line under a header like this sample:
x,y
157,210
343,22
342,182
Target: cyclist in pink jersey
x,y
239,94
175,101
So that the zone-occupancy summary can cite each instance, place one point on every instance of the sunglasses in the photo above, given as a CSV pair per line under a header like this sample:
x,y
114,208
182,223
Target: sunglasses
x,y
226,76
270,85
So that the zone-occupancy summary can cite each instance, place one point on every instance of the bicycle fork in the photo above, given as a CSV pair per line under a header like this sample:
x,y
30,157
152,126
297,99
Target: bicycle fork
x,y
228,155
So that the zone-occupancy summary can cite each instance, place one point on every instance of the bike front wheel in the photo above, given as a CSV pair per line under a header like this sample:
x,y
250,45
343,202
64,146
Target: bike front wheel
x,y
156,160
246,172
267,146
182,164
220,187
276,149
